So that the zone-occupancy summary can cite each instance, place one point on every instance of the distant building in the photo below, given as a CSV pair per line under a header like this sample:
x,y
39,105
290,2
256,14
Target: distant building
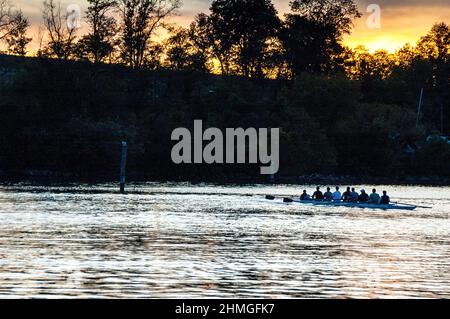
x,y
435,138
409,148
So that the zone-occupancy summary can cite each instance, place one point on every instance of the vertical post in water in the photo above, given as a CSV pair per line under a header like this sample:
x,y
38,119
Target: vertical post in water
x,y
123,166
419,108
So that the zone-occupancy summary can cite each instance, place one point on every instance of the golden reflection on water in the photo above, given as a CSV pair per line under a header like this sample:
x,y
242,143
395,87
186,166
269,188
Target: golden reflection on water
x,y
181,240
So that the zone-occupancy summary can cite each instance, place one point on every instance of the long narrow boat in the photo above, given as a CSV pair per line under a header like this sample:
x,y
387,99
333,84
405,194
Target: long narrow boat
x,y
349,205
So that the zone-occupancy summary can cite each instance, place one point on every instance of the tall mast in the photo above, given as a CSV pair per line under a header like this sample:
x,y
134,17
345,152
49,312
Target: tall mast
x,y
419,108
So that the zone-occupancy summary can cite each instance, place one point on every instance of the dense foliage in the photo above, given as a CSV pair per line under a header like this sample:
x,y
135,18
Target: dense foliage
x,y
70,117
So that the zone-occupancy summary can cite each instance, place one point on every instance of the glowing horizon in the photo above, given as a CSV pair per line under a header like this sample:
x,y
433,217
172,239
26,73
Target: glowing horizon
x,y
402,21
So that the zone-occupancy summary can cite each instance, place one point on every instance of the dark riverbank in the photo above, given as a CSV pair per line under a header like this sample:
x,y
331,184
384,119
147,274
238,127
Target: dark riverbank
x,y
47,177
66,116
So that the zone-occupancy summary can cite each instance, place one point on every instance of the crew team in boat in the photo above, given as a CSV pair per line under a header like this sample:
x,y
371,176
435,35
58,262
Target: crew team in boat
x,y
349,196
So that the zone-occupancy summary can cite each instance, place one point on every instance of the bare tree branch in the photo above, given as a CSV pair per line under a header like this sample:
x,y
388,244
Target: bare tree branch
x,y
140,19
10,19
61,38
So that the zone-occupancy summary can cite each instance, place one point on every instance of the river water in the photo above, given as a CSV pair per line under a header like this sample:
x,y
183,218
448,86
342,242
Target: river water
x,y
181,240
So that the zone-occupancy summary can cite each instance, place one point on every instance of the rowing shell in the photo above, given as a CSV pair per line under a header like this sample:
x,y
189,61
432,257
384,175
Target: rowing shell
x,y
354,205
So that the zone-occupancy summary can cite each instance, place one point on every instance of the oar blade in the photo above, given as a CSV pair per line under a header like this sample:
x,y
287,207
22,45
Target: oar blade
x,y
411,205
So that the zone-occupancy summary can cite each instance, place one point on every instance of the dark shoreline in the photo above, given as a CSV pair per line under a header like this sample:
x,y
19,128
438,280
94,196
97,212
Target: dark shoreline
x,y
52,177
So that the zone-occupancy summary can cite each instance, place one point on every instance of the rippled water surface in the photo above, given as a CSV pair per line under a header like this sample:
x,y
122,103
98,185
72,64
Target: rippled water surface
x,y
182,240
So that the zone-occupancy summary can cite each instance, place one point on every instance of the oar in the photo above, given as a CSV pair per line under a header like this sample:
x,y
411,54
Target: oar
x,y
411,205
272,197
285,199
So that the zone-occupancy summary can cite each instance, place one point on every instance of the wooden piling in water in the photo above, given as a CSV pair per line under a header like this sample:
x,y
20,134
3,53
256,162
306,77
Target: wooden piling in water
x,y
123,166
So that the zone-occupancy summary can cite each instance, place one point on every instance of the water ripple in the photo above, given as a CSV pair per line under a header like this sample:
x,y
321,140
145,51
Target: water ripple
x,y
181,240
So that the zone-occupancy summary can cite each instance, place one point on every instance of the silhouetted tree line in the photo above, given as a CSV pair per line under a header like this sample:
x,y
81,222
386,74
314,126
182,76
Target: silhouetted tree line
x,y
340,111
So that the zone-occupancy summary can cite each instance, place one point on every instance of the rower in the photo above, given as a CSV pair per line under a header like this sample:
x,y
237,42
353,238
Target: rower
x,y
347,195
328,195
337,195
385,200
305,196
318,194
363,198
374,198
354,196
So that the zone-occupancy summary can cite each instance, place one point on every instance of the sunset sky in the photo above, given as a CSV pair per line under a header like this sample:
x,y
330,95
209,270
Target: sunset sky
x,y
402,21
